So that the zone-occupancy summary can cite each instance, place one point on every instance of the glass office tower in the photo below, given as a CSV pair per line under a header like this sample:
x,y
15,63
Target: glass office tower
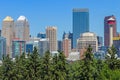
x,y
2,47
80,23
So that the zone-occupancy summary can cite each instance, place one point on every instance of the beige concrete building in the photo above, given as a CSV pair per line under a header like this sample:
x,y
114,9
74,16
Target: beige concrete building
x,y
86,39
8,33
22,28
51,34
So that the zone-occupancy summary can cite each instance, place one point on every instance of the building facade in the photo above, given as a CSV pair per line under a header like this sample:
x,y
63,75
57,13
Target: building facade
x,y
80,23
18,48
29,47
0,32
66,46
107,30
70,36
2,47
43,46
33,42
41,35
87,39
51,34
8,33
22,28
116,43
100,41
60,47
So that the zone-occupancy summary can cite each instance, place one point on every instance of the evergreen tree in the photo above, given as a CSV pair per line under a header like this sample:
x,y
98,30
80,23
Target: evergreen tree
x,y
59,70
111,58
33,66
88,68
20,67
8,70
46,67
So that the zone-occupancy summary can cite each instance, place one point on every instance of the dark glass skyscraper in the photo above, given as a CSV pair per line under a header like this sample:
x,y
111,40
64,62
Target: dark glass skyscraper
x,y
80,23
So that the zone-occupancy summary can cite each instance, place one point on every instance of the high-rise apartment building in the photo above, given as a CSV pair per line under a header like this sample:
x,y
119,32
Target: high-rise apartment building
x,y
2,47
22,28
8,33
51,34
80,23
107,30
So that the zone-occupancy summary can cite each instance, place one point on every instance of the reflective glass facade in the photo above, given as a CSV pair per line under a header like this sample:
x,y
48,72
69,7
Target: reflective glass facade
x,y
29,48
18,47
2,47
41,35
80,23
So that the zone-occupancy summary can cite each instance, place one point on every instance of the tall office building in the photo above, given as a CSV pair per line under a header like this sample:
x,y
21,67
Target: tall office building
x,y
41,35
51,34
18,47
22,28
8,33
70,36
107,30
80,23
66,46
43,46
2,47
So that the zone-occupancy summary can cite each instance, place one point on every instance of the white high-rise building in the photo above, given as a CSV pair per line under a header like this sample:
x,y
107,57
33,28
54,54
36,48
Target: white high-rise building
x,y
22,28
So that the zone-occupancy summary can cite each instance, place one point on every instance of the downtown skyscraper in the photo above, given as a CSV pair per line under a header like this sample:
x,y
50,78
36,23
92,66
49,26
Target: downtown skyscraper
x,y
80,23
8,33
22,28
51,34
107,30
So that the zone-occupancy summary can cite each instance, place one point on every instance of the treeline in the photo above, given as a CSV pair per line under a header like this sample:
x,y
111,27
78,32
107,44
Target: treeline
x,y
34,67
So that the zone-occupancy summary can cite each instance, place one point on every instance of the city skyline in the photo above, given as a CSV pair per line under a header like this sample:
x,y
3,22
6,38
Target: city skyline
x,y
59,13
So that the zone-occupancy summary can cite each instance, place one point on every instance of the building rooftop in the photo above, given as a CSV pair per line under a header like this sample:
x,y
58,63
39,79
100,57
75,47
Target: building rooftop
x,y
88,34
80,10
111,19
22,18
8,18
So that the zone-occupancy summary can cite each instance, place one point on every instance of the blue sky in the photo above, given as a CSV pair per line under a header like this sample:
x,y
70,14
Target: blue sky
x,y
42,13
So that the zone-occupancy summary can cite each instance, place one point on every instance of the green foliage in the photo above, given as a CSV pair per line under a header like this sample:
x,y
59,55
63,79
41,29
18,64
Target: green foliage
x,y
34,67
111,58
59,71
46,67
